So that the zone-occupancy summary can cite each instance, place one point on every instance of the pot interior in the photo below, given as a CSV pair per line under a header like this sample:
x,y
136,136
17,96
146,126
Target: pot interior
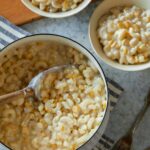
x,y
25,58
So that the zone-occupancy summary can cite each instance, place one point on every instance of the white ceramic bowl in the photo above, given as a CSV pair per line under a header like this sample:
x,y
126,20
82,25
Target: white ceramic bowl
x,y
65,41
36,10
103,8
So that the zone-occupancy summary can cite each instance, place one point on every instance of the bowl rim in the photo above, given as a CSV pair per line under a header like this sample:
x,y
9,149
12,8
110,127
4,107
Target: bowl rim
x,y
105,59
107,110
64,14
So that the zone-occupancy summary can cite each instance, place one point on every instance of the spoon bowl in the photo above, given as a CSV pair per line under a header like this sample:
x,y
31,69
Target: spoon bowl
x,y
37,80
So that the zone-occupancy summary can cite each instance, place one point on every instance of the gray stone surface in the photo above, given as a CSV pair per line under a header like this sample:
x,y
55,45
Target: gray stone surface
x,y
135,84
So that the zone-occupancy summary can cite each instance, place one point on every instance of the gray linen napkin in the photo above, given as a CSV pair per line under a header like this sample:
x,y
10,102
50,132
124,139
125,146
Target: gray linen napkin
x,y
10,33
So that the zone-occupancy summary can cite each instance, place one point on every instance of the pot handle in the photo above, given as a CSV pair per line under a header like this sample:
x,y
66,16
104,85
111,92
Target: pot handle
x,y
9,32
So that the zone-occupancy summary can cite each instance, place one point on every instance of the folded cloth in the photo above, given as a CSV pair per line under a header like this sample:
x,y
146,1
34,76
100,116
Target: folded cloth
x,y
3,147
10,33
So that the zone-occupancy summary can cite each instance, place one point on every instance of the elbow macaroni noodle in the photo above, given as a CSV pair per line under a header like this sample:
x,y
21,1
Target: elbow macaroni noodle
x,y
125,35
56,5
72,102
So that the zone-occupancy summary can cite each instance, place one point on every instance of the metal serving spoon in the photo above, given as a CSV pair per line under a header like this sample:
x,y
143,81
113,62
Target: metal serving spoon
x,y
33,89
125,143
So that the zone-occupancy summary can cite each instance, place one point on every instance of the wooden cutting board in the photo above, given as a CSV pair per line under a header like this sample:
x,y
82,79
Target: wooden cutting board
x,y
16,12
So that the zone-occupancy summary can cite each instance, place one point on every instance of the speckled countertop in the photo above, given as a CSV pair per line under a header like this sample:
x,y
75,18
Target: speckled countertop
x,y
136,84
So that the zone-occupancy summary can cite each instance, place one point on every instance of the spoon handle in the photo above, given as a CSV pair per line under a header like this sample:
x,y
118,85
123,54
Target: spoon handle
x,y
26,92
140,115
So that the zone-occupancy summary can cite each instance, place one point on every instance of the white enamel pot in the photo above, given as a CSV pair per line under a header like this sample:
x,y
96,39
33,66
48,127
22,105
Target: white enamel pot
x,y
83,50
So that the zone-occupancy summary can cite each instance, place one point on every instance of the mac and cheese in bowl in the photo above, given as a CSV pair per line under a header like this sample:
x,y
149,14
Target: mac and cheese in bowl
x,y
72,104
56,5
125,35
